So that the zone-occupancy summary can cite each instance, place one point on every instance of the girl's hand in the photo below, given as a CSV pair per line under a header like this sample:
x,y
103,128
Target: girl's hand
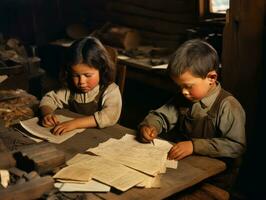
x,y
180,150
50,120
147,133
64,127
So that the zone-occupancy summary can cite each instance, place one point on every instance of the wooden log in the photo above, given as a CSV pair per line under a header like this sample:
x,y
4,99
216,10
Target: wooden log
x,y
32,189
119,36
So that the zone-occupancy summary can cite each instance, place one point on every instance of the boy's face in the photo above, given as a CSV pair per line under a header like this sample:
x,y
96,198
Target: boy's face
x,y
195,88
84,77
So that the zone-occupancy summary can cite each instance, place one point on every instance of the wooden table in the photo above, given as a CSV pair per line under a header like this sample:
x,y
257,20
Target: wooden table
x,y
191,170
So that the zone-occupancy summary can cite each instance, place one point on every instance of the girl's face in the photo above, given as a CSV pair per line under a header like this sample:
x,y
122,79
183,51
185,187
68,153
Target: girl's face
x,y
195,88
85,77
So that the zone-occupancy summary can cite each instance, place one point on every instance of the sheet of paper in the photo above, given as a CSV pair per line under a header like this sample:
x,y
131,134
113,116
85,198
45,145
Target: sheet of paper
x,y
79,158
148,158
145,159
32,126
91,186
74,172
148,182
171,164
112,173
32,137
70,181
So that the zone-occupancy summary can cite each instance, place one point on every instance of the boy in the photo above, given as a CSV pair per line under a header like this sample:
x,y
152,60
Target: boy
x,y
207,120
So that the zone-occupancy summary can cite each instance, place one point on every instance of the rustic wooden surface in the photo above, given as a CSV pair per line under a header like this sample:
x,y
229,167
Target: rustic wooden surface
x,y
32,189
191,170
44,155
166,18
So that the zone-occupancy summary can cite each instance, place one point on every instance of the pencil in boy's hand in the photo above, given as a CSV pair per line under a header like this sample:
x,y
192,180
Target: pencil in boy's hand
x,y
152,142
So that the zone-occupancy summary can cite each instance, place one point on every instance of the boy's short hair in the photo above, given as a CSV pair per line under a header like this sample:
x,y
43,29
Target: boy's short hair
x,y
196,56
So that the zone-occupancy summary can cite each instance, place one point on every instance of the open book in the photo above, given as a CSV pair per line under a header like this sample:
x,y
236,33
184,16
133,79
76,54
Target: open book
x,y
33,127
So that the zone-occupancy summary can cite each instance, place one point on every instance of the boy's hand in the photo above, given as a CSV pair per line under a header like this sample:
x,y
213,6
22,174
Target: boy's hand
x,y
50,120
64,127
147,133
180,150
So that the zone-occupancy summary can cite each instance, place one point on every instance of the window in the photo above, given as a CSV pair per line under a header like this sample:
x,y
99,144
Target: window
x,y
218,6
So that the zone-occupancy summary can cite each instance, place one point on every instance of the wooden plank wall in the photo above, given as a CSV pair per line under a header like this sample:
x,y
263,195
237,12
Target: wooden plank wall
x,y
243,74
242,52
161,23
42,21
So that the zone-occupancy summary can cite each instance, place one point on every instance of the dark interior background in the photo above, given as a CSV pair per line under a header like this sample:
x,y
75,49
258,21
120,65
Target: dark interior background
x,y
240,42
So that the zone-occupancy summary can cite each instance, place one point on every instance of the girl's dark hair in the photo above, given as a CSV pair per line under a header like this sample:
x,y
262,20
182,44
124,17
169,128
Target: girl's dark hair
x,y
196,56
89,51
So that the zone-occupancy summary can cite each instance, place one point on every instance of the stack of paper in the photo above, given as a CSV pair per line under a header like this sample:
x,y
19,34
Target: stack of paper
x,y
145,155
78,179
122,164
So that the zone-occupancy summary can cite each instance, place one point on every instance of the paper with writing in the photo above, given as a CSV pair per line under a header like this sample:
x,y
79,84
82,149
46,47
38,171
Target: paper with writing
x,y
124,163
143,157
112,173
79,158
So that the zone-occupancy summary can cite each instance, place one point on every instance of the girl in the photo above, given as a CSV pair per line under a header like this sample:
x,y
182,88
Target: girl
x,y
89,90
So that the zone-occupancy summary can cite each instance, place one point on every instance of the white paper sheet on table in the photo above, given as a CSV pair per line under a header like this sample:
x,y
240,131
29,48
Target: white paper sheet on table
x,y
90,186
32,126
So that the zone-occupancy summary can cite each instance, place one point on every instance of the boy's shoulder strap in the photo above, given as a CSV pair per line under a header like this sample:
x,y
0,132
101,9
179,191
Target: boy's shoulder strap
x,y
215,107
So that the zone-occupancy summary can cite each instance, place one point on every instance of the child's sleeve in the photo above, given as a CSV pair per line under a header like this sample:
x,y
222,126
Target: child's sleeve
x,y
231,123
55,99
163,118
111,107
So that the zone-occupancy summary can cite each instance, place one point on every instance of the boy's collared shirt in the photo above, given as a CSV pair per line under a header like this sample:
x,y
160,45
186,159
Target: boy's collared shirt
x,y
201,107
230,121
